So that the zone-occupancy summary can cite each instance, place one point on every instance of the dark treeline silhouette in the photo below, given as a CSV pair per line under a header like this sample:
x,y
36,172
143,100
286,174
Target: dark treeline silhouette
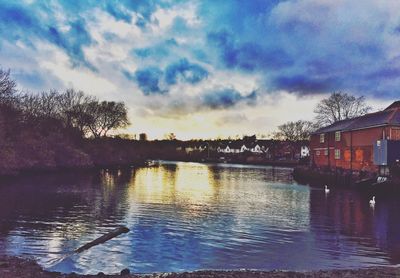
x,y
55,129
74,110
70,129
248,150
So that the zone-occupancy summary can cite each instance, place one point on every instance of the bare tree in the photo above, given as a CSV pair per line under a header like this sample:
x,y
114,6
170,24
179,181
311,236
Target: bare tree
x,y
340,106
105,116
79,116
29,105
170,136
49,104
44,105
7,87
294,131
74,109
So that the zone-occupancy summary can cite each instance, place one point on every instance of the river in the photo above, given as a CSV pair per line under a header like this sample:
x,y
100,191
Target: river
x,y
189,216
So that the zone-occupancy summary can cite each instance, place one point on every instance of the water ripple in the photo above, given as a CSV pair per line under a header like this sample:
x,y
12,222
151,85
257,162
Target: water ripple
x,y
187,216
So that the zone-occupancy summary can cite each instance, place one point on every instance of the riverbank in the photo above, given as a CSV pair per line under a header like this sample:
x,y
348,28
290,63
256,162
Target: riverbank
x,y
314,176
366,181
14,267
263,162
65,155
244,161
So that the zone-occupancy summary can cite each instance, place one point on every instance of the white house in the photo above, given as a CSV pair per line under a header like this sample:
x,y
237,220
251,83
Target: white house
x,y
224,149
256,149
231,148
304,151
238,147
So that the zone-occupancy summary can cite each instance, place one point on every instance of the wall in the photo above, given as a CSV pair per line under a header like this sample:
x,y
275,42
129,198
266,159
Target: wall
x,y
356,148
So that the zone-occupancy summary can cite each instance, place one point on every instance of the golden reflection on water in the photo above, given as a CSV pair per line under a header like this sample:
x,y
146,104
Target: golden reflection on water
x,y
186,216
170,184
197,189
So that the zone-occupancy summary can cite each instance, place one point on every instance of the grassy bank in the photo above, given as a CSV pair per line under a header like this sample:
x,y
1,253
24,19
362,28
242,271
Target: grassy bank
x,y
43,144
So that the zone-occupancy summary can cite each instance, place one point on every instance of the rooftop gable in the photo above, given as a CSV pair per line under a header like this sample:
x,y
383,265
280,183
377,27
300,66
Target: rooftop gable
x,y
339,125
394,105
389,116
236,144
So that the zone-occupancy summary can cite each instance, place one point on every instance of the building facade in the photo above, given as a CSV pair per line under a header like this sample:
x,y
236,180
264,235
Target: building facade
x,y
350,144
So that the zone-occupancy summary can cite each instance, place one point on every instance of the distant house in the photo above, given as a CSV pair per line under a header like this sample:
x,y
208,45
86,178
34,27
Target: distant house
x,y
238,147
256,148
223,148
267,147
191,147
235,147
143,137
369,143
304,151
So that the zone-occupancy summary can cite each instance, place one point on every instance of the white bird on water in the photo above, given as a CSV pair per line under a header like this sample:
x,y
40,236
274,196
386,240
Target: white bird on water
x,y
372,202
326,189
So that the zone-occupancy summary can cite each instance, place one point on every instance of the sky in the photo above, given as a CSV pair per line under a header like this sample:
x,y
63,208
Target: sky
x,y
206,69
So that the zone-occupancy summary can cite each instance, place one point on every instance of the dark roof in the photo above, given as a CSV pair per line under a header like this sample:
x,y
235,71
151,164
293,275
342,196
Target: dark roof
x,y
389,116
223,145
395,104
236,144
192,144
265,143
339,125
253,145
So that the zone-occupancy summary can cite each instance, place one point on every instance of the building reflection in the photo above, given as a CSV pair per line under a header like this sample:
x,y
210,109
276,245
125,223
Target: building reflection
x,y
186,216
345,215
198,215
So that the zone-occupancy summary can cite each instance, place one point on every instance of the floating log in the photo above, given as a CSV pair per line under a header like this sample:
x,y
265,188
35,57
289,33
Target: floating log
x,y
365,182
114,233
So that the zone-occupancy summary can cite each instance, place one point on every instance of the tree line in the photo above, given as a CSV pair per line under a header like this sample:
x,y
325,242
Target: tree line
x,y
337,107
73,109
91,117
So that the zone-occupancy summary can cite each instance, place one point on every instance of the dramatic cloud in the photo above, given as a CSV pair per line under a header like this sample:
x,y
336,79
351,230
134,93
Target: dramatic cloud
x,y
304,84
175,59
185,71
248,56
226,98
309,46
148,80
19,23
157,51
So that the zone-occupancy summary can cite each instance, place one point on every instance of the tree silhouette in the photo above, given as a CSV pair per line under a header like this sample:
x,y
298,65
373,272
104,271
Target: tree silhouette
x,y
340,106
105,116
7,87
294,131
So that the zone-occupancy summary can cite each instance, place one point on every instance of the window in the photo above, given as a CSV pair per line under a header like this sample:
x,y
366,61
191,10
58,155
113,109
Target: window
x,y
395,134
360,155
337,136
337,154
326,152
318,153
347,155
322,138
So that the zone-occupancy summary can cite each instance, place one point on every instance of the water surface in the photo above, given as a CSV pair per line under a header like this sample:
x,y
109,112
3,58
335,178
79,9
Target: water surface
x,y
189,216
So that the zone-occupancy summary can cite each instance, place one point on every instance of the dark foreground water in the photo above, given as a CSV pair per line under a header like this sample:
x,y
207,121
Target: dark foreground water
x,y
188,216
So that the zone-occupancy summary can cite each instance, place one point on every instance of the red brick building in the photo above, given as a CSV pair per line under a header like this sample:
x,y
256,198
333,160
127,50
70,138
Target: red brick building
x,y
350,144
